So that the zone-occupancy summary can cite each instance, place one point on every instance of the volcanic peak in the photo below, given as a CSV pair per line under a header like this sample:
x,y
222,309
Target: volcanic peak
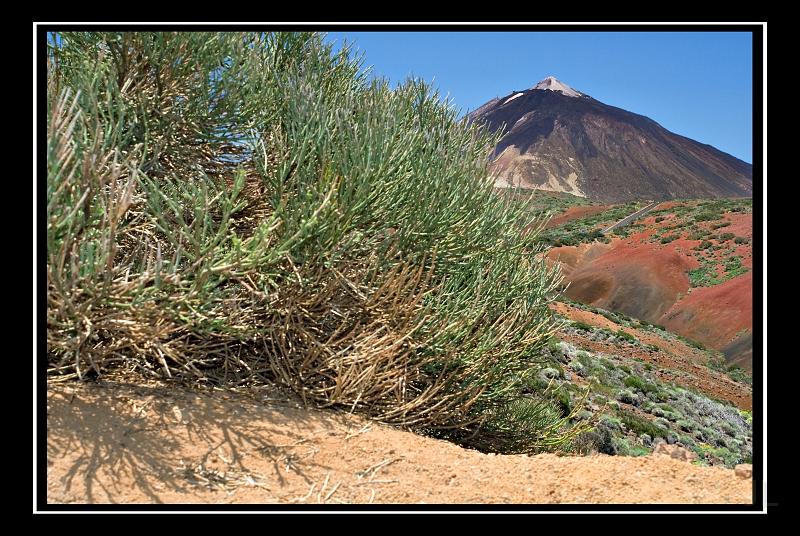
x,y
553,84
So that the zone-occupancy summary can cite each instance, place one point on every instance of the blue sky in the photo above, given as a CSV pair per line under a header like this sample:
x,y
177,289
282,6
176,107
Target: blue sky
x,y
698,84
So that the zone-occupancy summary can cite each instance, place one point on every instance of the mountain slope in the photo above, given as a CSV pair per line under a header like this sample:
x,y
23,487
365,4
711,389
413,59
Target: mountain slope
x,y
685,265
559,139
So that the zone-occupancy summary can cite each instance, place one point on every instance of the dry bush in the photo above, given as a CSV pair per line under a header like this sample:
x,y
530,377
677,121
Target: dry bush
x,y
244,208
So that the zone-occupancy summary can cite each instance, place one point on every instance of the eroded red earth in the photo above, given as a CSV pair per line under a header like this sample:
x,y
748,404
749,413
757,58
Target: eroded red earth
x,y
646,279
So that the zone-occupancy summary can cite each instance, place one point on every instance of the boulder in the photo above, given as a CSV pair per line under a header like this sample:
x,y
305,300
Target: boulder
x,y
744,470
675,451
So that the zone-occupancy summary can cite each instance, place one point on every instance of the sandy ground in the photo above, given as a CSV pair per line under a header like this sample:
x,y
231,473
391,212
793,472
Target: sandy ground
x,y
131,444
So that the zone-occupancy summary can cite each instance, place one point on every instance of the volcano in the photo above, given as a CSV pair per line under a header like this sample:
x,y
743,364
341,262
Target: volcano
x,y
559,139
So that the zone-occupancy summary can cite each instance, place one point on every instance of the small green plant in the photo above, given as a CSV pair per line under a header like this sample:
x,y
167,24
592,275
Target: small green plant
x,y
627,336
609,365
641,425
550,372
626,396
582,326
637,383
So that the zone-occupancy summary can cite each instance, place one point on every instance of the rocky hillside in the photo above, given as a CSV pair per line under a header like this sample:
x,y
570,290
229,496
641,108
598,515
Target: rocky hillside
x,y
686,265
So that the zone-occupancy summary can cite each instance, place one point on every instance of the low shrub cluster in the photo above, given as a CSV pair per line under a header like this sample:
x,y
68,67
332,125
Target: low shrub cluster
x,y
638,410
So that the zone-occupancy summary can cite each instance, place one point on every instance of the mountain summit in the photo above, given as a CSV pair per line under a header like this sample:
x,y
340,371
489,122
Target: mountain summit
x,y
553,84
555,141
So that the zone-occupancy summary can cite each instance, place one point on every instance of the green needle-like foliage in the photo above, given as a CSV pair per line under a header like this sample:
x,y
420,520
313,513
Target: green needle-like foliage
x,y
250,207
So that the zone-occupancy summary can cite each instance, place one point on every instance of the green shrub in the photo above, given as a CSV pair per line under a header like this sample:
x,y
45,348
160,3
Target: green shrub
x,y
635,382
740,240
661,396
660,421
609,365
263,209
582,325
686,426
627,336
707,216
641,425
698,235
550,372
626,396
669,238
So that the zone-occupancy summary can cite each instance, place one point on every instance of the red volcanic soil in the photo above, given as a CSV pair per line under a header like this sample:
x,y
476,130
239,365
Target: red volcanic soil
x,y
714,315
642,283
646,279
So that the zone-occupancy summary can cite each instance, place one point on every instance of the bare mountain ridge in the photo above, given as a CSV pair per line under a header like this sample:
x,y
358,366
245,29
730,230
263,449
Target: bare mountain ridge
x,y
559,139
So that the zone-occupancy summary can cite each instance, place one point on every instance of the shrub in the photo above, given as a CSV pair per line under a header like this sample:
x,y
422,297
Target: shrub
x,y
659,421
686,426
582,325
728,428
609,365
238,208
550,373
576,366
637,383
600,439
740,240
627,336
666,239
698,235
640,425
707,216
626,396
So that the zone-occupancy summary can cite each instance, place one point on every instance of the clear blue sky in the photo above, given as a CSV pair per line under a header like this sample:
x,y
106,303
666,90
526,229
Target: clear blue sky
x,y
698,84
